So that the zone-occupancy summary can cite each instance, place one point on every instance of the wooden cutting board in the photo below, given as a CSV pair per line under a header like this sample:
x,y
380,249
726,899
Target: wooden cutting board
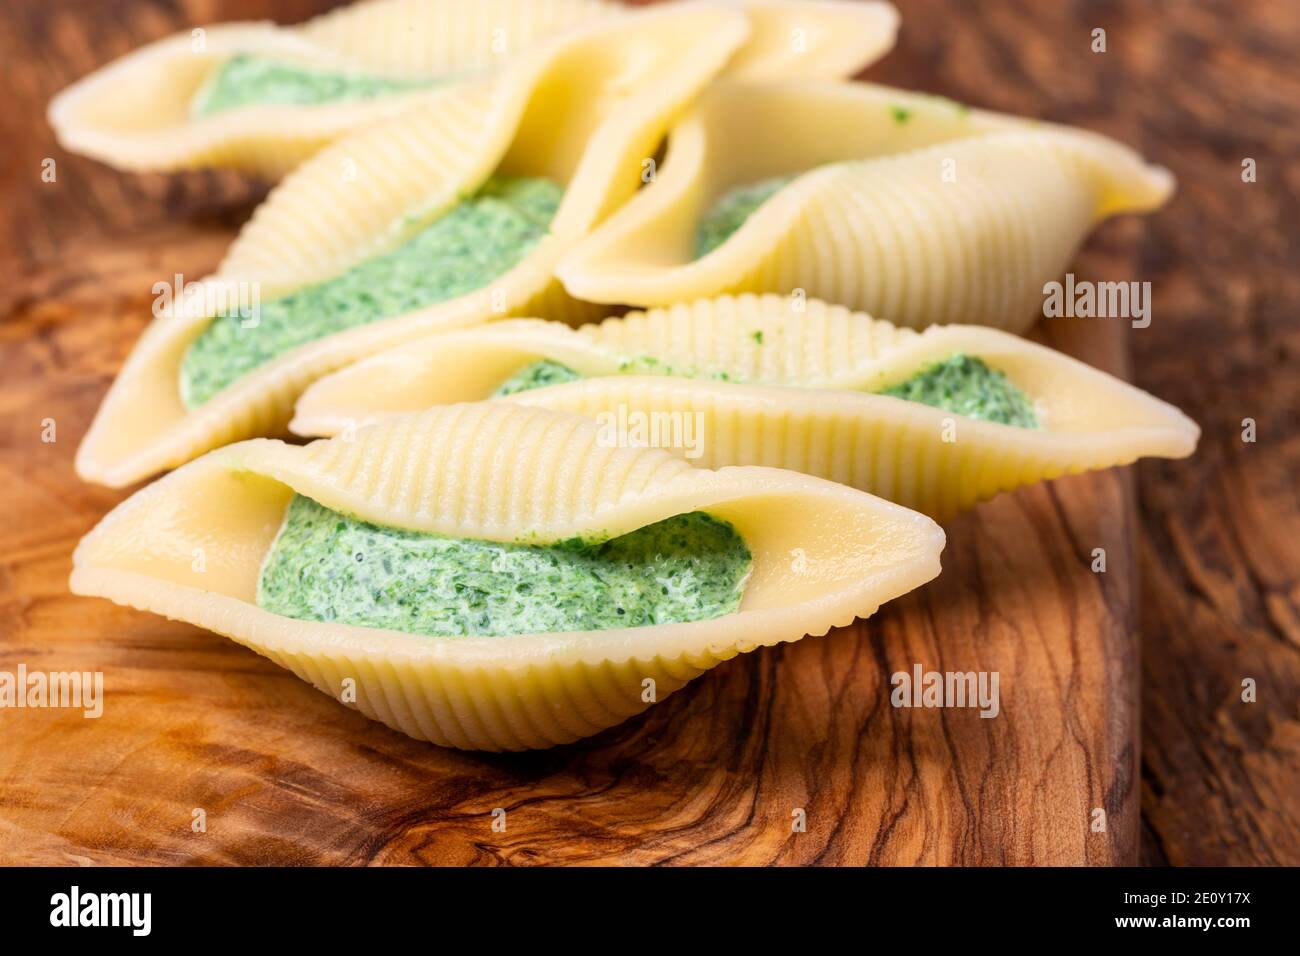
x,y
717,773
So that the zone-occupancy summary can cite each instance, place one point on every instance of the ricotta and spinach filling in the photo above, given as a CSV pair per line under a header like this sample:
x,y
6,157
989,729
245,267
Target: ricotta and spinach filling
x,y
328,566
464,249
731,211
968,386
962,384
249,80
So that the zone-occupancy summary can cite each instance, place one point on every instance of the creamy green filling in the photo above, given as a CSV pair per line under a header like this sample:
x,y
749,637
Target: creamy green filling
x,y
537,375
960,384
246,80
465,249
326,566
967,386
730,212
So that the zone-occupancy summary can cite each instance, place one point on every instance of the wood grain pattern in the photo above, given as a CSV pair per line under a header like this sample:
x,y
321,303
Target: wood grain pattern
x,y
714,774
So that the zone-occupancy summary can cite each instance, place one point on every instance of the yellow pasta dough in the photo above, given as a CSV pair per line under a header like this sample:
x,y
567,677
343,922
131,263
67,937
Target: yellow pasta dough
x,y
813,39
191,546
138,113
728,367
582,116
894,203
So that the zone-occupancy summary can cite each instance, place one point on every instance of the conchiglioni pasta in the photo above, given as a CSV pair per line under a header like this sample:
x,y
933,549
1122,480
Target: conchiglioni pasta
x,y
577,121
773,381
291,90
192,547
895,203
139,112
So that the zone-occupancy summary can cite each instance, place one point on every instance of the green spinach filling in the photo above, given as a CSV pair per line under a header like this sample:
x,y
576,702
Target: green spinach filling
x,y
327,566
730,212
247,80
465,249
967,386
537,375
960,384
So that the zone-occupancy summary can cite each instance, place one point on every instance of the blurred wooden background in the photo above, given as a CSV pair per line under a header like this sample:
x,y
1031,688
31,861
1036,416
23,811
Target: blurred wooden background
x,y
1196,86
